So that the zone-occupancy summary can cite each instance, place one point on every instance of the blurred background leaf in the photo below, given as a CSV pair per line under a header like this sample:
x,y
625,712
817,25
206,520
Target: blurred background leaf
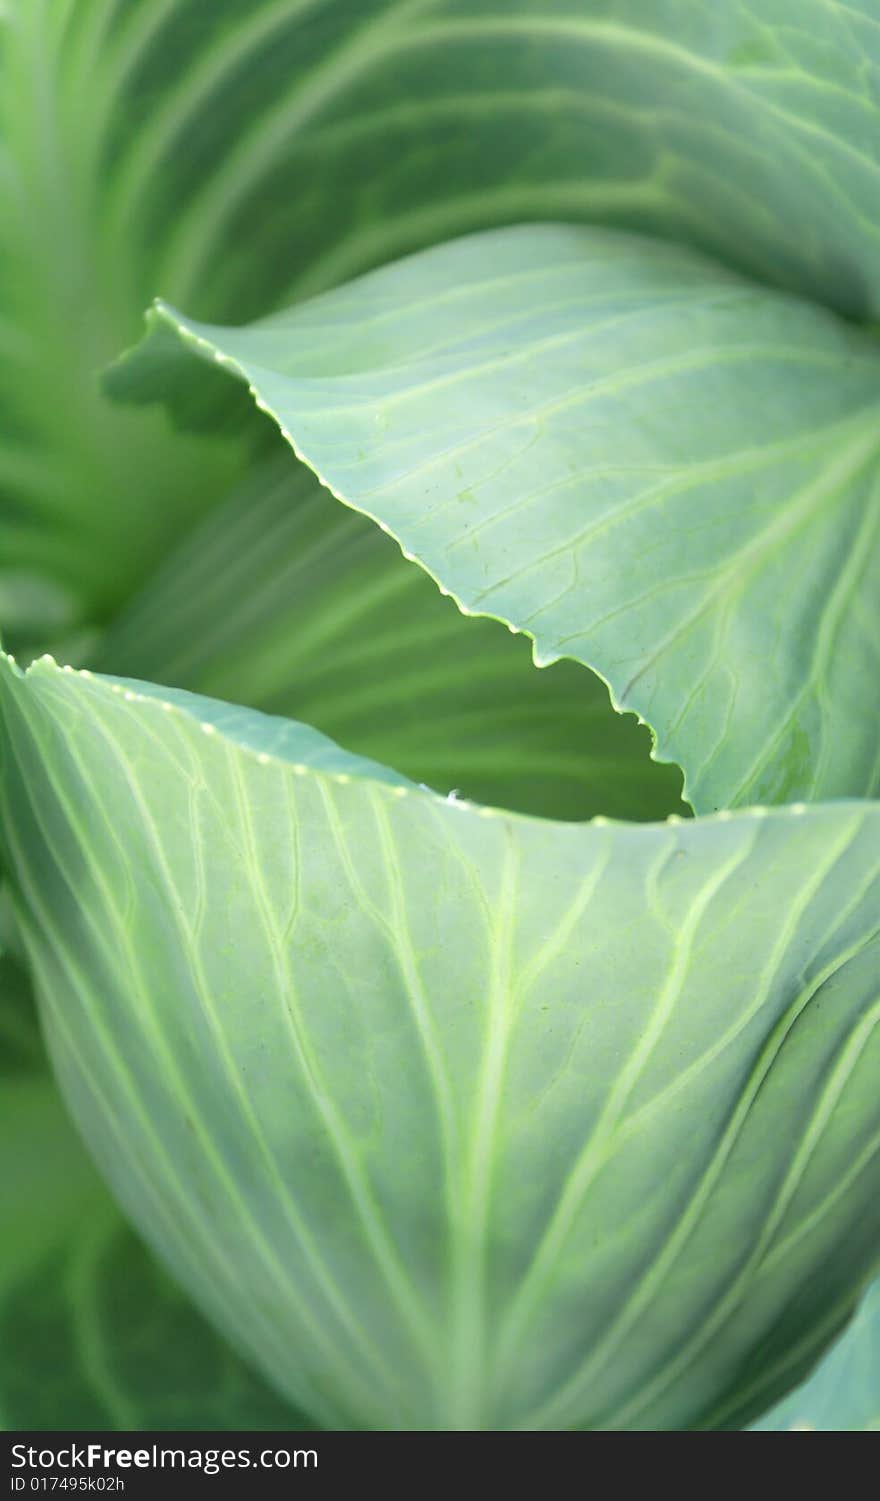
x,y
94,1334
843,1393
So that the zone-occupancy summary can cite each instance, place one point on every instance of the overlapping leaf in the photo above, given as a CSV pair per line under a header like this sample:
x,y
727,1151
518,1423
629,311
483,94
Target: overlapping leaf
x,y
643,461
455,1119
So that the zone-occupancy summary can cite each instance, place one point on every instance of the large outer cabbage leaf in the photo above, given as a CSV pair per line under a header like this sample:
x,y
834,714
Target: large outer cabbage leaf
x,y
454,1118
